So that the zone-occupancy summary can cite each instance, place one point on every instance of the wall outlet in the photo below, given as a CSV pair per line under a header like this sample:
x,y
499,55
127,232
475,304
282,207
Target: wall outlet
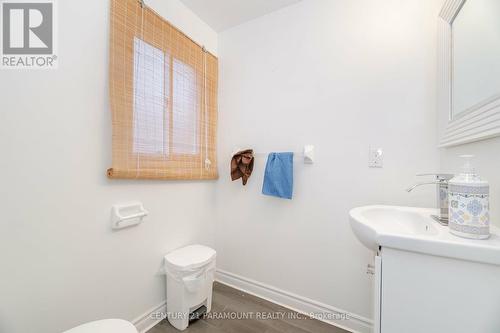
x,y
375,158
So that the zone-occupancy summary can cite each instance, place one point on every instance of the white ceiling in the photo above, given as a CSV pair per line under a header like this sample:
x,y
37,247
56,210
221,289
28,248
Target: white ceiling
x,y
224,14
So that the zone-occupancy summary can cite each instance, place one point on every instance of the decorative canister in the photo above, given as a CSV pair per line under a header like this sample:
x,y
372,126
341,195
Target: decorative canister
x,y
469,215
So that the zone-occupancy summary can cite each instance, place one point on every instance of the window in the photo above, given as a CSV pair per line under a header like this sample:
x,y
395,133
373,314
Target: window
x,y
163,92
150,107
184,109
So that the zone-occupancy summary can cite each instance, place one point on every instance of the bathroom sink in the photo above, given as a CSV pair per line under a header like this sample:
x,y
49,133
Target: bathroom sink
x,y
368,223
413,229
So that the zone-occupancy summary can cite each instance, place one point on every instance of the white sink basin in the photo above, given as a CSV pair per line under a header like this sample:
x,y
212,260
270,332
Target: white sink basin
x,y
369,222
413,229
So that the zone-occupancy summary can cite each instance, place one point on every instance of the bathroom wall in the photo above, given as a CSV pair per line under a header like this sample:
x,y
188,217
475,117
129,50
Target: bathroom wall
x,y
486,162
341,75
60,263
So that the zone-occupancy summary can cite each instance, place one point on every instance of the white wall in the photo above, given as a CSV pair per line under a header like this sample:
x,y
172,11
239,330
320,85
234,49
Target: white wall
x,y
185,20
341,75
486,162
60,263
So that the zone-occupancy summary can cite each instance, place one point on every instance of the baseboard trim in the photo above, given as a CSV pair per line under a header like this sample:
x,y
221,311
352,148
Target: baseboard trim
x,y
148,320
355,323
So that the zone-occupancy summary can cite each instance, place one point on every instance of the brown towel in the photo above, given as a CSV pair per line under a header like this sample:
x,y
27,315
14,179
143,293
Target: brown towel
x,y
242,165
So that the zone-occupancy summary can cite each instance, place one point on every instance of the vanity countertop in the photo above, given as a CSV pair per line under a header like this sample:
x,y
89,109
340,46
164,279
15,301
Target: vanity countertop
x,y
413,229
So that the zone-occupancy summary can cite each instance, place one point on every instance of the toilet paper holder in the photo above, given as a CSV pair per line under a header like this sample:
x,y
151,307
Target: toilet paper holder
x,y
127,215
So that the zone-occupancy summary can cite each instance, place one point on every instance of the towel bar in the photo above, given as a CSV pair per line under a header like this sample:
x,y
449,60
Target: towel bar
x,y
307,154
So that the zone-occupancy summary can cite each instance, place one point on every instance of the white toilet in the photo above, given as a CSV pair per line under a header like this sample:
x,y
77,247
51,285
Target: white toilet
x,y
105,326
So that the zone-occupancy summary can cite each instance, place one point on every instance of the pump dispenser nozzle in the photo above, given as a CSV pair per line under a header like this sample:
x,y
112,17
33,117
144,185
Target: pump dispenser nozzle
x,y
467,168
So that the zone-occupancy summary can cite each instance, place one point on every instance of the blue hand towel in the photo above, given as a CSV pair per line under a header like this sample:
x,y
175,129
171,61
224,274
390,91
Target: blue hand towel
x,y
278,177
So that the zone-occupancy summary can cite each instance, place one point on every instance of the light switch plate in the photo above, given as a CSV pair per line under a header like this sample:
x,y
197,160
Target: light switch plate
x,y
375,157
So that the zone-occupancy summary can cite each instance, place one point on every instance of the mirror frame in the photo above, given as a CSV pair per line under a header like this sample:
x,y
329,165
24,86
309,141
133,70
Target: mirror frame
x,y
482,121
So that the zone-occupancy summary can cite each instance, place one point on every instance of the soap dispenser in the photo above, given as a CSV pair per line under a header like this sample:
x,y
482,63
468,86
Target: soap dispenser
x,y
469,214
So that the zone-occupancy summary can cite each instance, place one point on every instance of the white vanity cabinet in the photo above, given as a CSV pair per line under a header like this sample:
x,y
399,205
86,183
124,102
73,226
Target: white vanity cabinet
x,y
426,279
422,293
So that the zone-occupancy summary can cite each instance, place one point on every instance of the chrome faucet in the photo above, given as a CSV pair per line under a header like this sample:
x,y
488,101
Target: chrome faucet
x,y
442,194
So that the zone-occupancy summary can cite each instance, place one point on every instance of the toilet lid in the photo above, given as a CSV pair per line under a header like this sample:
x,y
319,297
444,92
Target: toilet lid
x,y
105,326
189,258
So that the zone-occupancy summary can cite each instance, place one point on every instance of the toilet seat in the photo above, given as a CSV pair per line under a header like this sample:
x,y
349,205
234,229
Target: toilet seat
x,y
105,326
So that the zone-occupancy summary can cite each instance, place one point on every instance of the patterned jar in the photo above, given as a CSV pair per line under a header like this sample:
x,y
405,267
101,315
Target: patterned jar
x,y
469,215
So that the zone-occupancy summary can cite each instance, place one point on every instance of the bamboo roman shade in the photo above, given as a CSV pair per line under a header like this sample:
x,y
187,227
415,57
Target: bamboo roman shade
x,y
163,91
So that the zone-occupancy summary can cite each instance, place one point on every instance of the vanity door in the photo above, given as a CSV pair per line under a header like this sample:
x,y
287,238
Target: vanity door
x,y
425,293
